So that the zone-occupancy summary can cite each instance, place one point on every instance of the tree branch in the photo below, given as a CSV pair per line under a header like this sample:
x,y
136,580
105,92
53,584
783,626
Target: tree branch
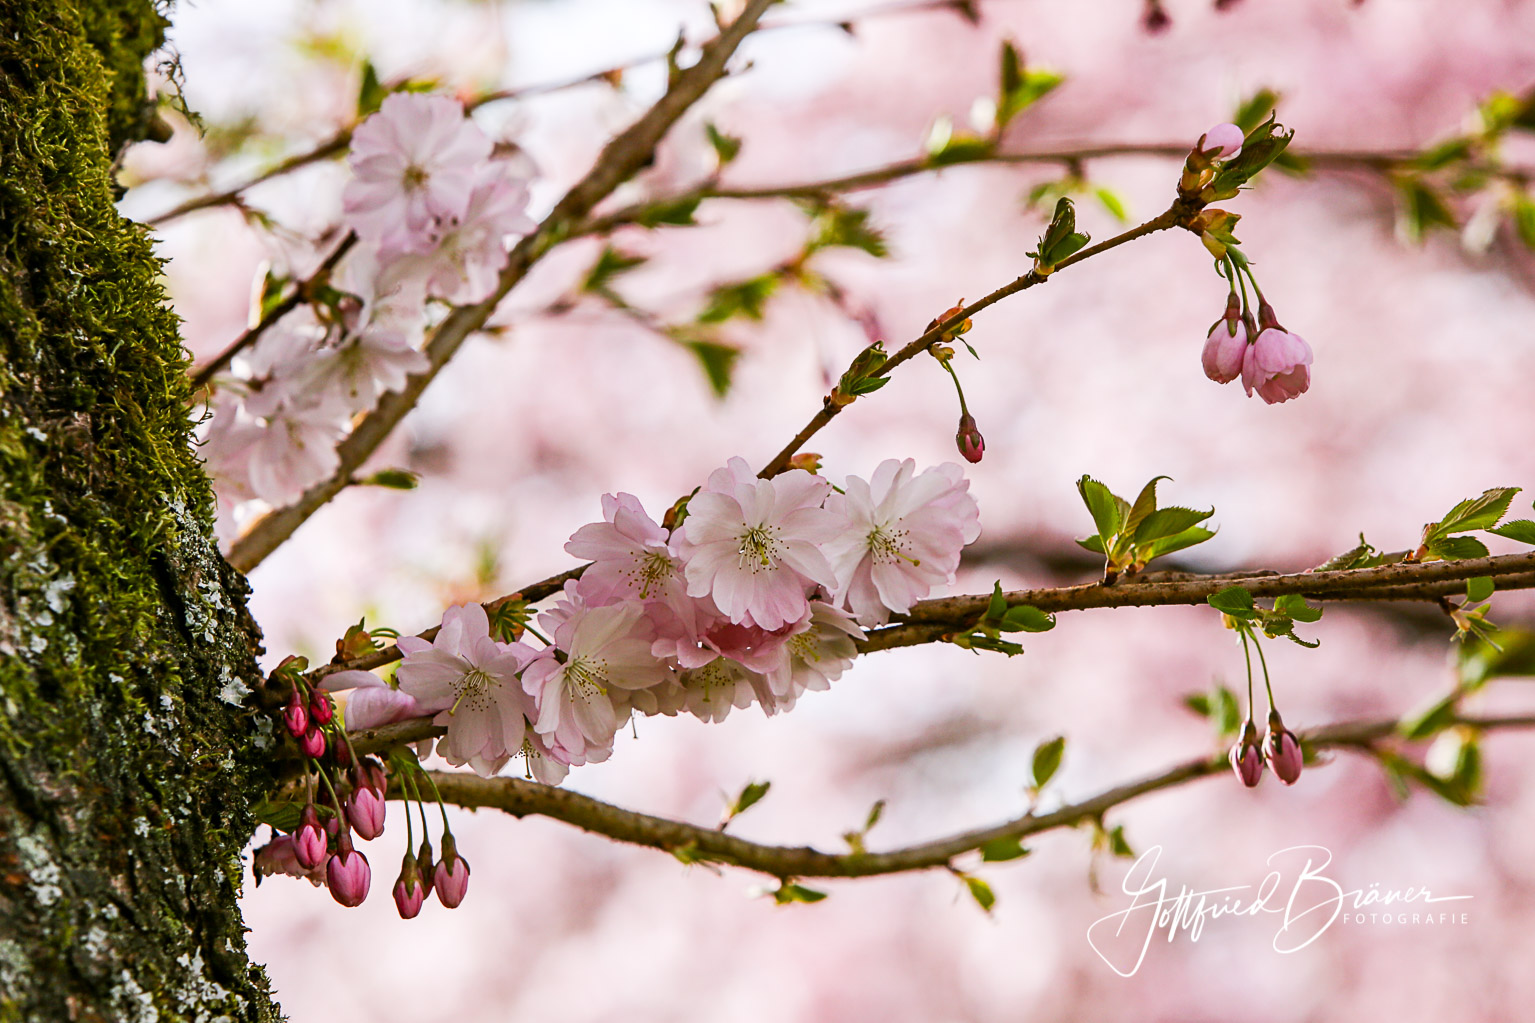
x,y
692,842
620,159
1175,215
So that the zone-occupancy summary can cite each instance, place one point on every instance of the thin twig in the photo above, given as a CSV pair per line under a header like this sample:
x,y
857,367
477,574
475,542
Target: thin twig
x,y
693,842
302,292
620,159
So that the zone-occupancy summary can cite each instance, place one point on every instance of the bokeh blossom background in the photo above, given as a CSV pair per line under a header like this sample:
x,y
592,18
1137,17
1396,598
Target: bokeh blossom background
x,y
1420,397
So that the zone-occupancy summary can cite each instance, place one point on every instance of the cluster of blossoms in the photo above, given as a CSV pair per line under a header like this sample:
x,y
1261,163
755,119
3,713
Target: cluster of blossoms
x,y
321,848
1270,360
432,209
755,597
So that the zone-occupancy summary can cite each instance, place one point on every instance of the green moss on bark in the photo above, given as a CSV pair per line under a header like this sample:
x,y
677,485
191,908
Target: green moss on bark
x,y
124,646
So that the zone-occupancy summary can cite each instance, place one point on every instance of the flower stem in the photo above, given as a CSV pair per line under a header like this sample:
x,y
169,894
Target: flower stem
x,y
1265,672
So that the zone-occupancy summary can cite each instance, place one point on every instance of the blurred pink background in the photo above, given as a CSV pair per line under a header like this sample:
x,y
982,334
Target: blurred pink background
x,y
1420,397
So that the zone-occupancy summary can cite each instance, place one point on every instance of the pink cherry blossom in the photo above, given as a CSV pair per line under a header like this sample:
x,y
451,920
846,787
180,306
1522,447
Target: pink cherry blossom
x,y
1221,142
1224,351
414,162
605,648
473,678
347,873
468,251
1277,365
815,656
291,451
352,375
369,699
631,556
900,535
753,545
712,690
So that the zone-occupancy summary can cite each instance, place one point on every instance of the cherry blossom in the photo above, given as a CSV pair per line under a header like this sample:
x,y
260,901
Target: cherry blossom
x,y
468,251
472,678
414,162
815,656
752,544
712,690
631,555
900,535
604,648
1224,351
1277,365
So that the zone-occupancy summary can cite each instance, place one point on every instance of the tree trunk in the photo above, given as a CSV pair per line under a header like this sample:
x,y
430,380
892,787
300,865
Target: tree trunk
x,y
125,651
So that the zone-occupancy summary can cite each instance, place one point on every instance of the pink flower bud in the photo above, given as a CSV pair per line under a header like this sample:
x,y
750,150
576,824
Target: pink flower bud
x,y
1247,756
1277,365
309,840
348,874
1221,142
321,710
451,875
295,717
969,440
1224,351
312,743
1283,750
365,812
370,774
409,893
341,753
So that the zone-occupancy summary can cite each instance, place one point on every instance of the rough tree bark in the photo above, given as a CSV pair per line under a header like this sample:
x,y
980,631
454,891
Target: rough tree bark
x,y
125,649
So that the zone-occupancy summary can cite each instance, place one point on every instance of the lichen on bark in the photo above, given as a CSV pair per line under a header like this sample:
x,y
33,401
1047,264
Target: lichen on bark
x,y
125,757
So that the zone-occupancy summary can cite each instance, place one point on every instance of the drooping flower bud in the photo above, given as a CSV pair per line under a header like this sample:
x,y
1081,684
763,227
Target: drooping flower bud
x,y
409,893
969,440
424,864
365,812
321,710
312,742
309,840
451,875
295,717
341,753
1247,755
1283,750
1224,351
370,774
348,874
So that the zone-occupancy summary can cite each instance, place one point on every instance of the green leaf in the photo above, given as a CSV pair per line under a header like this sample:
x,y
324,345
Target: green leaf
x,y
1422,209
1118,844
1145,504
1166,522
788,893
1113,203
1524,220
996,607
1480,660
1293,605
718,361
676,212
726,147
284,815
1092,543
1255,109
1026,618
1000,850
1475,512
1456,548
1199,703
1233,600
746,298
1103,507
980,891
1479,589
960,149
1263,146
1228,714
749,797
1522,530
1435,718
875,813
1363,556
1047,760
1060,239
371,94
611,262
981,641
1187,538
393,479
845,226
1444,153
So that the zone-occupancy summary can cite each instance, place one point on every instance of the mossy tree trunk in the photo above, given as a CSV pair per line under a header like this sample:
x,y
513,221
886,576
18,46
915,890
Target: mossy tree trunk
x,y
126,761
